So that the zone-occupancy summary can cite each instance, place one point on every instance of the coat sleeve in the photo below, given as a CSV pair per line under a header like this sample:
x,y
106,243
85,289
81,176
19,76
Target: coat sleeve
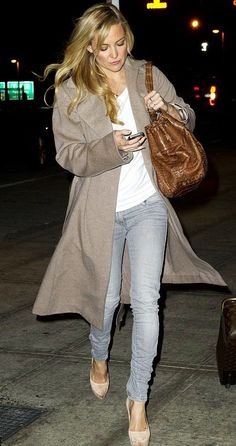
x,y
76,154
168,92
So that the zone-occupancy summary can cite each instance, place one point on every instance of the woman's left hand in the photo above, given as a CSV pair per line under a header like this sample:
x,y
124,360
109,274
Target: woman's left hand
x,y
154,101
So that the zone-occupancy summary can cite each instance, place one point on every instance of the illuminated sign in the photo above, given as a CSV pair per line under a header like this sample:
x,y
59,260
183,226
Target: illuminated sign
x,y
15,91
22,90
28,88
2,91
158,4
212,95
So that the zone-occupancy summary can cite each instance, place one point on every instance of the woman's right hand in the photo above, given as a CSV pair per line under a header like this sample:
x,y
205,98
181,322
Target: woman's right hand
x,y
120,137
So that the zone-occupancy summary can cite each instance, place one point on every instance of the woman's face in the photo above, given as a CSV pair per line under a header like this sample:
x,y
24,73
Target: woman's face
x,y
113,52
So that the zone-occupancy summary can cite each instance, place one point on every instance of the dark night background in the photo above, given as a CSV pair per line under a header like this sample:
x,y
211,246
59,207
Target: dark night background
x,y
36,36
162,35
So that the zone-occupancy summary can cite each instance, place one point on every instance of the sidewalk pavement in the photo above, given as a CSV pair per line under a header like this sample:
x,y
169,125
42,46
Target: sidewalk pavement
x,y
44,375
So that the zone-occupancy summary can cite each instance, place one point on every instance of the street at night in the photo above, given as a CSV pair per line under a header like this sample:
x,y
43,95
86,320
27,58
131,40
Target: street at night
x,y
44,363
45,393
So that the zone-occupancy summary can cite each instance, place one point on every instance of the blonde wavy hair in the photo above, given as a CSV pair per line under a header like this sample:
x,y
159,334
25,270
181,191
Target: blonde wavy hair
x,y
81,65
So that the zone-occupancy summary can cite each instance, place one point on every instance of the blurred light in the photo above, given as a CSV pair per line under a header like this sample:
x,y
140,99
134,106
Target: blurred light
x,y
157,4
17,62
196,90
212,96
217,31
204,46
195,23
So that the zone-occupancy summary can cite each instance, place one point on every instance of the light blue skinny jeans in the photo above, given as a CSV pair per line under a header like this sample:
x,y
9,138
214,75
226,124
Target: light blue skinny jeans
x,y
143,228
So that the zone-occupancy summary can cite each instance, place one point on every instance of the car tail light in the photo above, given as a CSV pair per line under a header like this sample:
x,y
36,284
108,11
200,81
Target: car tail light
x,y
196,90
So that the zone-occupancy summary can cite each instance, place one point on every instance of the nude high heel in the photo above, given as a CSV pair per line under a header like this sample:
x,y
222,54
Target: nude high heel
x,y
99,389
137,438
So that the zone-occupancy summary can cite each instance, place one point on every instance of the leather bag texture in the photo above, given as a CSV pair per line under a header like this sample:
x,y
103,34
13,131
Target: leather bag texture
x,y
226,344
179,159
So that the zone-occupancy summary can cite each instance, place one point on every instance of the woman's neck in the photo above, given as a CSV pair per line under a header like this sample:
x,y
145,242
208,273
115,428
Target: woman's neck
x,y
117,82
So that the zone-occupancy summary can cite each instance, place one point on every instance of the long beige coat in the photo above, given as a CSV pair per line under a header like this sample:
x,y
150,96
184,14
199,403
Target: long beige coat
x,y
77,277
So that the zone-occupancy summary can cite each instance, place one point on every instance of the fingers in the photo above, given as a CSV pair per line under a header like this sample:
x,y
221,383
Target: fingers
x,y
154,101
132,145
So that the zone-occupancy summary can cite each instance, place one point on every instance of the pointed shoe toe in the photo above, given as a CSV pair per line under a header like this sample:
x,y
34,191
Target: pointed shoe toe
x,y
99,390
137,438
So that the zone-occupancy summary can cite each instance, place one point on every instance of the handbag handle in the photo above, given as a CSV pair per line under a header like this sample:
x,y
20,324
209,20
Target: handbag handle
x,y
149,78
149,86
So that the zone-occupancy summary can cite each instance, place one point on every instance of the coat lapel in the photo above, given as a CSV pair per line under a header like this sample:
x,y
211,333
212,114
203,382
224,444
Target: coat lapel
x,y
98,120
93,112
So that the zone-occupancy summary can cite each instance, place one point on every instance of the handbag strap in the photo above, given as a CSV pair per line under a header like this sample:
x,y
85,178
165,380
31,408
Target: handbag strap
x,y
149,78
149,87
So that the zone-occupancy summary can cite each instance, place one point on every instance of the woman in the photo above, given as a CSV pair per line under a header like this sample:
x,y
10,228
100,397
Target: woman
x,y
120,235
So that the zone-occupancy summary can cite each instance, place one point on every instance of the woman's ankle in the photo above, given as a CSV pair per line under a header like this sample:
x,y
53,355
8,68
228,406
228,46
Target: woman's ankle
x,y
138,419
99,370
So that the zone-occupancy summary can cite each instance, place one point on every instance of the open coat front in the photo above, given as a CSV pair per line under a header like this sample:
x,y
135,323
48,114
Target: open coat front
x,y
77,276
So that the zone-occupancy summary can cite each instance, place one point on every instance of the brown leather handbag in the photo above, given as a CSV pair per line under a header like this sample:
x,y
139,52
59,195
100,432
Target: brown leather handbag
x,y
178,158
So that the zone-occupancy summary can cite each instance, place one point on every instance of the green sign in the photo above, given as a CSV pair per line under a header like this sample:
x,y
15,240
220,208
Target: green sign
x,y
22,90
2,91
27,88
17,91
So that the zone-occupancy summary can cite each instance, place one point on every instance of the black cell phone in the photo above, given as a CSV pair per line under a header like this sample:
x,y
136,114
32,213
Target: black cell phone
x,y
135,135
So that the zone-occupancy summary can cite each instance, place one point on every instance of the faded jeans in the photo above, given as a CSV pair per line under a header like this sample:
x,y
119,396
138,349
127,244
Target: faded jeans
x,y
143,228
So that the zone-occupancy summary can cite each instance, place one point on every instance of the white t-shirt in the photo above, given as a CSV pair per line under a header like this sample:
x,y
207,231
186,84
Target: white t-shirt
x,y
135,185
